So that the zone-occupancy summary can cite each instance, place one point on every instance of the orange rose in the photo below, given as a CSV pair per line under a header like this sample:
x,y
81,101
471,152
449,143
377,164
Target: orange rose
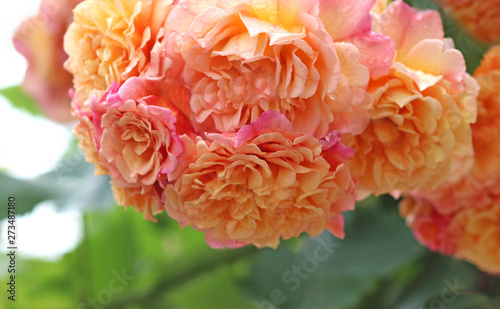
x,y
479,176
430,227
422,109
263,184
247,57
110,41
84,131
136,141
481,18
470,200
470,233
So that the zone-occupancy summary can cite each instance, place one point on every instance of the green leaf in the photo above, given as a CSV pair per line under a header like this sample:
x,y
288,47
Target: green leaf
x,y
174,264
377,244
48,284
110,247
216,289
443,283
472,49
113,245
77,185
265,280
71,183
21,100
27,193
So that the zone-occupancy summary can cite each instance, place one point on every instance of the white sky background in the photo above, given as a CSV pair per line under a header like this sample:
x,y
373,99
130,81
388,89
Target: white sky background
x,y
11,63
30,146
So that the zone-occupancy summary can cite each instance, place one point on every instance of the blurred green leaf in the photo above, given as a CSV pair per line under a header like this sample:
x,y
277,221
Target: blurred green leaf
x,y
377,244
471,301
42,285
385,292
216,289
183,273
111,247
472,49
21,100
443,283
80,188
266,279
168,264
27,193
71,184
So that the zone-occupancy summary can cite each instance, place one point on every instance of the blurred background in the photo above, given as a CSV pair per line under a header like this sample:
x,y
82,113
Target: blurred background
x,y
77,249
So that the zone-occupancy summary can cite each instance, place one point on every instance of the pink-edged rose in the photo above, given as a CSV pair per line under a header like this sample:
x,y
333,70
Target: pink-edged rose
x,y
420,119
263,183
247,57
110,41
135,136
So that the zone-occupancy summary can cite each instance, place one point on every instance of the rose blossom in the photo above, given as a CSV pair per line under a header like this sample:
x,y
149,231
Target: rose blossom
x,y
422,109
477,234
110,41
471,233
263,183
481,18
84,132
487,129
247,57
40,40
470,201
480,178
135,137
430,227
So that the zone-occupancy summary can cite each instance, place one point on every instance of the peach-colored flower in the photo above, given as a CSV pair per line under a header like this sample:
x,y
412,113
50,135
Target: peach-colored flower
x,y
490,62
481,18
247,57
470,233
263,183
146,202
422,109
84,132
40,40
470,200
110,41
486,130
430,227
135,137
477,234
479,177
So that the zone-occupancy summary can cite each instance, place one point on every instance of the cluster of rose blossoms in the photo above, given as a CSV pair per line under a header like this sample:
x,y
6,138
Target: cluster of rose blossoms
x,y
258,120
